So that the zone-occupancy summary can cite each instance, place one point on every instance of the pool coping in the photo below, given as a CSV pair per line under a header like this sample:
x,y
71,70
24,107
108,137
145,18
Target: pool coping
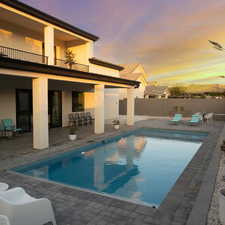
x,y
174,200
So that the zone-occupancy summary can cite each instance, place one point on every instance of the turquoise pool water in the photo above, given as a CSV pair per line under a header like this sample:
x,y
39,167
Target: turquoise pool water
x,y
141,165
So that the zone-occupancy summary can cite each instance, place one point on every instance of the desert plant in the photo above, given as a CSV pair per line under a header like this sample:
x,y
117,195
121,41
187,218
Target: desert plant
x,y
70,58
116,122
73,130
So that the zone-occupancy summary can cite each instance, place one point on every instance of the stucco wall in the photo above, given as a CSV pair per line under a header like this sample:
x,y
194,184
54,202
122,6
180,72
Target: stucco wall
x,y
89,102
8,104
16,37
23,39
111,104
167,107
82,52
103,70
139,92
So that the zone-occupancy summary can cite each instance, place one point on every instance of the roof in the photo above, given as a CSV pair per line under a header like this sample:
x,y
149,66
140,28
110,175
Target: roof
x,y
46,17
156,90
131,76
100,62
128,72
54,70
128,68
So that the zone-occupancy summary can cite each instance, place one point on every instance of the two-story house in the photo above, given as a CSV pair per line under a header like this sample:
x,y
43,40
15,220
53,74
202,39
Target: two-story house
x,y
38,89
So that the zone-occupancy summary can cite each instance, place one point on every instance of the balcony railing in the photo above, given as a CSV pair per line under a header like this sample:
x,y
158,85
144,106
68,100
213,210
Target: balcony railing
x,y
13,53
75,66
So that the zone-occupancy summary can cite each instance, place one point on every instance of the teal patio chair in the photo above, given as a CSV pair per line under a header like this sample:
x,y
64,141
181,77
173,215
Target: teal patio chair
x,y
176,119
10,127
195,120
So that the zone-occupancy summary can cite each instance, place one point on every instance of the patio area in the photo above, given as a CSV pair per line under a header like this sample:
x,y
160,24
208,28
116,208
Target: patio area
x,y
75,206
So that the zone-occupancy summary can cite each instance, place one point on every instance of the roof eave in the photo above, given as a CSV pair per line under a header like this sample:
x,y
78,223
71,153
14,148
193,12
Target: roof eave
x,y
54,70
46,17
105,64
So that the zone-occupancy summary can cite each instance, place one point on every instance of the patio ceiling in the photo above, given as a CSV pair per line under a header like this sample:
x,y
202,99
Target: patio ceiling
x,y
7,82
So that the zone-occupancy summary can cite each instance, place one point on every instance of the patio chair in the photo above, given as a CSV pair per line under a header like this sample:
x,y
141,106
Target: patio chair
x,y
83,118
10,127
195,120
89,118
208,117
71,119
176,119
22,209
4,220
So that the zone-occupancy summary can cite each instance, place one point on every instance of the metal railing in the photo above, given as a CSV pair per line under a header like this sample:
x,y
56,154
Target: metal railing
x,y
13,53
75,66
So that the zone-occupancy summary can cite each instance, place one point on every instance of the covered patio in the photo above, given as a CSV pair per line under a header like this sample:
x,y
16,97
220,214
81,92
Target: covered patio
x,y
39,80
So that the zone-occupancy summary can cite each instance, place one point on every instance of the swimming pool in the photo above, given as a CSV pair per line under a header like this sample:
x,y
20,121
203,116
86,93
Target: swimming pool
x,y
140,165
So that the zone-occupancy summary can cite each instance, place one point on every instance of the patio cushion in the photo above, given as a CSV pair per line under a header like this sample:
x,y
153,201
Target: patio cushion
x,y
8,125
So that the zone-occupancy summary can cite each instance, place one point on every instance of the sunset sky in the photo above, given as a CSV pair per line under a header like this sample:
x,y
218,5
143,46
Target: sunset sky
x,y
169,37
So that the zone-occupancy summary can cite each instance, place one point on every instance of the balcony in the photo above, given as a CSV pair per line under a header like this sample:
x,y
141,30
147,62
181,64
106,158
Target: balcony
x,y
36,58
22,55
75,66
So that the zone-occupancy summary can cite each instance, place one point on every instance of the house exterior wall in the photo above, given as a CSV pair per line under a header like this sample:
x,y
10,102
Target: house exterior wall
x,y
82,52
138,92
111,95
16,37
8,104
103,70
8,100
89,104
111,104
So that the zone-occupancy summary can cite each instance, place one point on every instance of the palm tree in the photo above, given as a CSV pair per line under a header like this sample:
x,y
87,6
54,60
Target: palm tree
x,y
217,46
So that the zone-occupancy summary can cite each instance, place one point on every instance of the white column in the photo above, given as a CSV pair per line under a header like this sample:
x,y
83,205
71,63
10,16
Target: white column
x,y
99,109
49,44
130,106
40,113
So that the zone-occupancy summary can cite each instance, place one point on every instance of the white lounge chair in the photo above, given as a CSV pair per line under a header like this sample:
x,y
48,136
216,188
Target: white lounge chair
x,y
22,209
4,220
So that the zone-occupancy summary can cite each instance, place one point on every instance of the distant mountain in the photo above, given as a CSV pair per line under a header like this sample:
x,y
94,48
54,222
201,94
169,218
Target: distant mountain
x,y
202,88
198,88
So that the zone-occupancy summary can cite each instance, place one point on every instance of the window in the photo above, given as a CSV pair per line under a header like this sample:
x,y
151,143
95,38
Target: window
x,y
77,101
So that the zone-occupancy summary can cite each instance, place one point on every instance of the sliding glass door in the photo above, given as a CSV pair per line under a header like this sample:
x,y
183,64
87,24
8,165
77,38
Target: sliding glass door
x,y
24,109
55,108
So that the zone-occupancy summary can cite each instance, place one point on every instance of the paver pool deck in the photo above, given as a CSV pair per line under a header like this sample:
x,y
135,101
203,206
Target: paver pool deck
x,y
187,202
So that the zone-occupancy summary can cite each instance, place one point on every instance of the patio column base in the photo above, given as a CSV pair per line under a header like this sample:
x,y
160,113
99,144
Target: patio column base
x,y
40,113
99,109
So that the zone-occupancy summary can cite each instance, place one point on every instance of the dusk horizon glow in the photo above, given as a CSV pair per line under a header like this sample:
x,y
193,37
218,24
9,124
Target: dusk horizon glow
x,y
170,38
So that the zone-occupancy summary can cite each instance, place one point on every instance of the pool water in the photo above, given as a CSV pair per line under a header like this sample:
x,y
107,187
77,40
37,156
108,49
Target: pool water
x,y
141,166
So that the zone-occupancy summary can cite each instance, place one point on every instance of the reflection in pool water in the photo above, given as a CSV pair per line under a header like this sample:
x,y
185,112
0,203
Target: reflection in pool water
x,y
140,167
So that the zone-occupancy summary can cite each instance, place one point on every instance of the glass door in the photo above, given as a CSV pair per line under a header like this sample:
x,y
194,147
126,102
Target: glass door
x,y
55,108
24,109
